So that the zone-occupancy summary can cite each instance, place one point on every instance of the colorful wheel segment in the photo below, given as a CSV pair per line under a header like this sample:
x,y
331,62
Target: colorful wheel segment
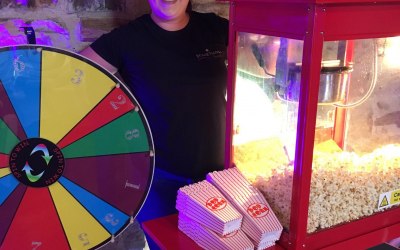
x,y
76,152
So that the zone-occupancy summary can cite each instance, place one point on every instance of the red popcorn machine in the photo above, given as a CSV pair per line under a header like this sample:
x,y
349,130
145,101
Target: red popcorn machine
x,y
313,116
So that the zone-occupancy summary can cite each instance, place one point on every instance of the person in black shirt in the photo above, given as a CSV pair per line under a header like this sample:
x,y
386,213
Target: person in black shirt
x,y
174,62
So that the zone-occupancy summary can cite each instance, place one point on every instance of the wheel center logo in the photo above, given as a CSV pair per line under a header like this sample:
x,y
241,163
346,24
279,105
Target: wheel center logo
x,y
36,162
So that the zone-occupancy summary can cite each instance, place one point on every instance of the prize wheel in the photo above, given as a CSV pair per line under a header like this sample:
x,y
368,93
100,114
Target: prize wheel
x,y
76,152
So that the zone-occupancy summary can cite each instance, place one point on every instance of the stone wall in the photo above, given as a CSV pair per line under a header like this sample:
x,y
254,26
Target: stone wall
x,y
73,24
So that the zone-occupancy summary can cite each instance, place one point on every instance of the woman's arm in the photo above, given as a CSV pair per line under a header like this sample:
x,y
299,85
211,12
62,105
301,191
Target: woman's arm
x,y
92,55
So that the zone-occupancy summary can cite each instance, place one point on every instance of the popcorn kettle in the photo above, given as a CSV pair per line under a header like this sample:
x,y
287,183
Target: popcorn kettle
x,y
334,76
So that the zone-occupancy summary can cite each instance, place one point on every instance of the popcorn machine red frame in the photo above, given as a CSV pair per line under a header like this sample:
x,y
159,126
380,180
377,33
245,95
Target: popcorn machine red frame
x,y
313,22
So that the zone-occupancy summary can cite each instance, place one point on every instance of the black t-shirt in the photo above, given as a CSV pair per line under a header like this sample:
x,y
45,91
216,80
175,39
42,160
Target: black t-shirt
x,y
179,79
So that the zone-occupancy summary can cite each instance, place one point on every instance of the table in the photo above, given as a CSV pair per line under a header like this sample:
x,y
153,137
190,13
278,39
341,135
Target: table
x,y
164,231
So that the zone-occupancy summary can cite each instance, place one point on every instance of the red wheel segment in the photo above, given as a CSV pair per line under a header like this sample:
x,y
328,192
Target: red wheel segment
x,y
111,107
37,212
3,160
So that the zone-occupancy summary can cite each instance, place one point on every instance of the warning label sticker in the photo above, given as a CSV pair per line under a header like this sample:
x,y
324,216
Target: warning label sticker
x,y
389,199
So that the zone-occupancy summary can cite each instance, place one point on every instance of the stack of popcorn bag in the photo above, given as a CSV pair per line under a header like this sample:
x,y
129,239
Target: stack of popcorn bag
x,y
208,239
259,221
207,217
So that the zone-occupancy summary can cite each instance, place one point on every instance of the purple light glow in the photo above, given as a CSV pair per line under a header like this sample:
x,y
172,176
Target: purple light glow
x,y
22,2
49,26
25,2
8,39
47,33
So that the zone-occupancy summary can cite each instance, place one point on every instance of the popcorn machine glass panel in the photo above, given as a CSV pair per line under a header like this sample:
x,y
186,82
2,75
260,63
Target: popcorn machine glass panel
x,y
356,162
265,121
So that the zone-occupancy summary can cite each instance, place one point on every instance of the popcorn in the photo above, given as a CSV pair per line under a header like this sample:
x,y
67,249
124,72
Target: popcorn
x,y
345,186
